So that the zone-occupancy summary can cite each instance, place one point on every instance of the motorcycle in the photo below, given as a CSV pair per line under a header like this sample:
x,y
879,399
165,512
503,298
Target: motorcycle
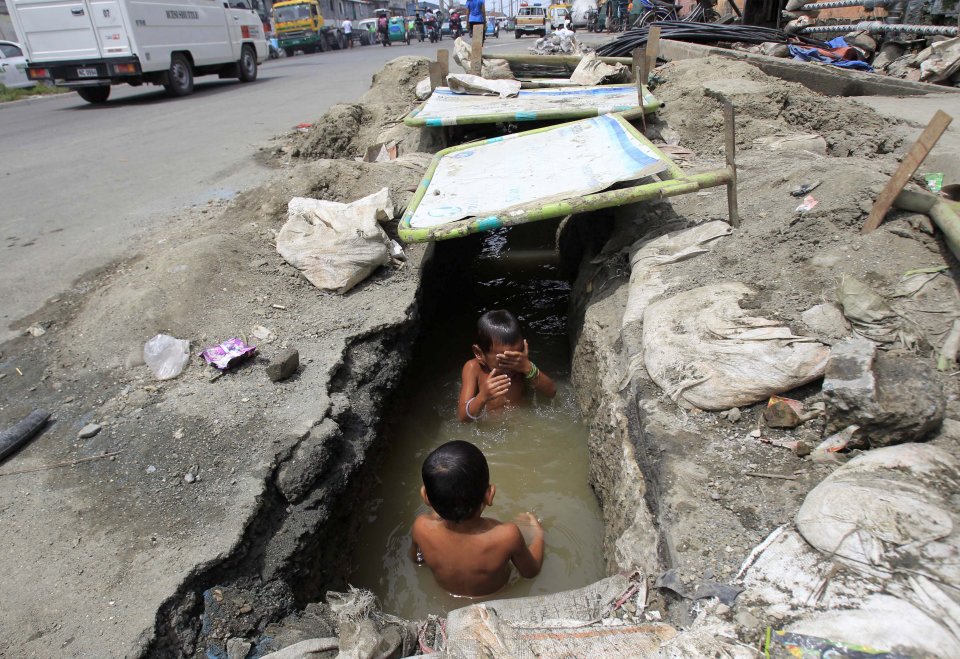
x,y
434,33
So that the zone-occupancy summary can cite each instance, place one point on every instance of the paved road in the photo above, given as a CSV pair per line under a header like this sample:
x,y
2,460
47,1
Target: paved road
x,y
79,183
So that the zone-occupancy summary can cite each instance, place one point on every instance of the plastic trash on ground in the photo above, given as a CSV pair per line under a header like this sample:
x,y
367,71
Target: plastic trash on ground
x,y
703,350
229,353
336,245
166,356
592,71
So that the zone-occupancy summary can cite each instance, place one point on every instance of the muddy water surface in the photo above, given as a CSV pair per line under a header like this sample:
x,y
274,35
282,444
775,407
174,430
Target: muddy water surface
x,y
537,452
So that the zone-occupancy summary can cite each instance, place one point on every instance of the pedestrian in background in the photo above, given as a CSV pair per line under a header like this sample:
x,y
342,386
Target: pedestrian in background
x,y
477,15
347,27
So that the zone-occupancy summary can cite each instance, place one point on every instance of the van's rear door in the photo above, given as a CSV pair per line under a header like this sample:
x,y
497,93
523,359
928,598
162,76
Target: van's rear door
x,y
57,30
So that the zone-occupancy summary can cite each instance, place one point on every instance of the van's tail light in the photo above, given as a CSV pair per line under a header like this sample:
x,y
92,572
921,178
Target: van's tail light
x,y
245,31
38,74
129,67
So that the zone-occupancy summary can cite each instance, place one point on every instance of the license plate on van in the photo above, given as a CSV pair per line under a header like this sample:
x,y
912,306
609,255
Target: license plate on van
x,y
87,73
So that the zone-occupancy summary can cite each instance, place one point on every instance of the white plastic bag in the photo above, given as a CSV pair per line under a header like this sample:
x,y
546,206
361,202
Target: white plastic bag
x,y
166,356
701,348
464,83
336,245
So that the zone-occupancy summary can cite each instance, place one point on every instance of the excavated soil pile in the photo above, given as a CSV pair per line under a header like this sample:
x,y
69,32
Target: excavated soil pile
x,y
766,106
346,130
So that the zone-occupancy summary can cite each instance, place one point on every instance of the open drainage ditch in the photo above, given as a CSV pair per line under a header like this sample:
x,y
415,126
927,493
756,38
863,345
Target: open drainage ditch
x,y
537,452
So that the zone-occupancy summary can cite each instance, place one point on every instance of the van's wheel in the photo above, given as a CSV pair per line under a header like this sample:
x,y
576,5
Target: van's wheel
x,y
288,51
248,64
516,34
180,76
98,94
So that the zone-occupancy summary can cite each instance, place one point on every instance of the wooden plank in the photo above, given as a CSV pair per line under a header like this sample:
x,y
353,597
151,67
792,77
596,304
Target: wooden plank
x,y
436,75
443,58
730,151
914,158
476,50
640,79
653,47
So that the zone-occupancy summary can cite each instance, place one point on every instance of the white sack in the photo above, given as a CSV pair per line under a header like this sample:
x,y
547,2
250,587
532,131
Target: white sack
x,y
647,258
336,245
592,71
464,83
888,508
423,90
704,350
166,356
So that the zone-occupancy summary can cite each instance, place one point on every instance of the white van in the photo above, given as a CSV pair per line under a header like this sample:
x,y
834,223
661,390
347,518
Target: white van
x,y
90,45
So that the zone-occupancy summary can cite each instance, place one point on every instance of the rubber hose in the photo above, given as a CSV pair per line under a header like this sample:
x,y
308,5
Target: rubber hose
x,y
21,432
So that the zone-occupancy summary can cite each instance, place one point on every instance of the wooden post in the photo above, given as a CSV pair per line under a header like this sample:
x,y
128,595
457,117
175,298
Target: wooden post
x,y
476,50
640,79
653,48
436,75
443,58
914,158
730,151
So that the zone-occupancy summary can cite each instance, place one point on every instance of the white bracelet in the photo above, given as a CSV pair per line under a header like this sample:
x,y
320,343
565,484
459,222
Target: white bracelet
x,y
466,408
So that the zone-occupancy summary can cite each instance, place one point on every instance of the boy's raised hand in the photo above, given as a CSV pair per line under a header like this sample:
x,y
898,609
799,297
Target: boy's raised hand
x,y
515,361
494,386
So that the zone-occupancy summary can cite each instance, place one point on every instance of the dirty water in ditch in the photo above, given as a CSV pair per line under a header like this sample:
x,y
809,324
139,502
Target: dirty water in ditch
x,y
537,451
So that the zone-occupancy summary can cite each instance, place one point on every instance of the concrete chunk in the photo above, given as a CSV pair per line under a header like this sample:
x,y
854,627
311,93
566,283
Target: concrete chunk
x,y
893,398
285,365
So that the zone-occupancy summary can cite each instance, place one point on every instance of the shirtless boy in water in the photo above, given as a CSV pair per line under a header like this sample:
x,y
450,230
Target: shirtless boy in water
x,y
469,554
501,368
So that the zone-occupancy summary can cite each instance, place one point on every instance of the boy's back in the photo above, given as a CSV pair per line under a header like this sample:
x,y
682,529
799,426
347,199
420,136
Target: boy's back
x,y
469,554
471,557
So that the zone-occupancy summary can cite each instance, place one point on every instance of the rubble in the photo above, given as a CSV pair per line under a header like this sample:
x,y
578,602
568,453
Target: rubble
x,y
893,398
283,366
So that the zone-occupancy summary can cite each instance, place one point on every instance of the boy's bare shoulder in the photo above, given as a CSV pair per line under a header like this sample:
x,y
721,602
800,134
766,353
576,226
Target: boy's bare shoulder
x,y
472,367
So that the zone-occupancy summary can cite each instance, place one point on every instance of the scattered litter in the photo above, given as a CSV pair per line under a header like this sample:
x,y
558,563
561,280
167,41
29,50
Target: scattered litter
x,y
35,331
304,127
464,83
872,317
947,359
17,369
150,469
934,182
191,475
381,152
781,643
806,188
808,204
262,333
791,444
679,154
335,245
558,42
166,356
764,474
228,354
726,593
849,437
279,306
17,435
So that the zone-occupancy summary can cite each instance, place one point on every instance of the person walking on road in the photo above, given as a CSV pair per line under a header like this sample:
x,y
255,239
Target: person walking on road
x,y
477,15
347,27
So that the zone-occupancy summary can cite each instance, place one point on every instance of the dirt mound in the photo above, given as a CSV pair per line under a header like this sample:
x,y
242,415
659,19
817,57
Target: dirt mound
x,y
765,106
346,130
199,283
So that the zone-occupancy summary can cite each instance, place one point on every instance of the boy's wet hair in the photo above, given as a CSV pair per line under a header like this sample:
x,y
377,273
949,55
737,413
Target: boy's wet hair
x,y
498,326
456,477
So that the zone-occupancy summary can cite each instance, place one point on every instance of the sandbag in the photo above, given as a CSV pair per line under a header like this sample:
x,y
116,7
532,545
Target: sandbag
x,y
336,245
592,71
703,350
573,623
889,508
464,83
647,258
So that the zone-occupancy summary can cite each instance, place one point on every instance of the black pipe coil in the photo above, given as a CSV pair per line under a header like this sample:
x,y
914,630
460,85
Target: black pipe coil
x,y
625,44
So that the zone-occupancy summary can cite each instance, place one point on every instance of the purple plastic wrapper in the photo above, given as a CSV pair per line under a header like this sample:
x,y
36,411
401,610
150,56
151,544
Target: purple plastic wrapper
x,y
229,353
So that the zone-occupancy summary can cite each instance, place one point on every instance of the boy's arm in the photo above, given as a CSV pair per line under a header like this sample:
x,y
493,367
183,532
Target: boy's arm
x,y
527,559
520,363
477,396
414,547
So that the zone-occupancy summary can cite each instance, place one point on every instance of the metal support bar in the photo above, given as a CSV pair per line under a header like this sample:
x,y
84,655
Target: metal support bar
x,y
730,151
878,27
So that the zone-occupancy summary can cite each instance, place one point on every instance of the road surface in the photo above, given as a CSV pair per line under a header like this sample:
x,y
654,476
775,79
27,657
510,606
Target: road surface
x,y
80,183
